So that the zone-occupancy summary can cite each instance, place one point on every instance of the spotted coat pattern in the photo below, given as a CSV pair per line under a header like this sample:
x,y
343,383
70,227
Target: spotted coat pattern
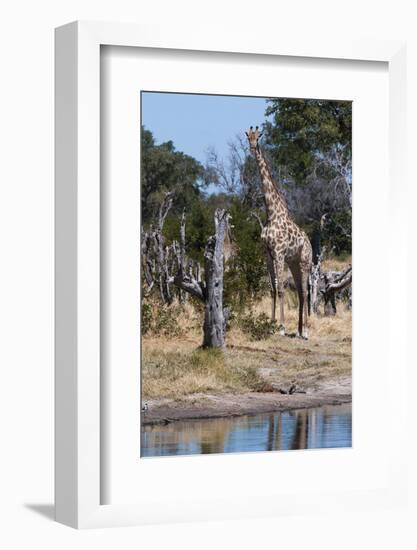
x,y
285,242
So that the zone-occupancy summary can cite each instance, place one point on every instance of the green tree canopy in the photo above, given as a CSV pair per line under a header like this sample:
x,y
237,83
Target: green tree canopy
x,y
304,130
309,144
165,169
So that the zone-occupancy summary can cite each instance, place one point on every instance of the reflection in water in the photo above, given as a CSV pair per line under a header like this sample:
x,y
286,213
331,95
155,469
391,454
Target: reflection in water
x,y
318,428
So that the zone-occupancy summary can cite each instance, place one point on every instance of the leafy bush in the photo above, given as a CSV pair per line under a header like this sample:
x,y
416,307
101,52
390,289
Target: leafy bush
x,y
159,320
337,234
258,327
146,318
246,275
166,322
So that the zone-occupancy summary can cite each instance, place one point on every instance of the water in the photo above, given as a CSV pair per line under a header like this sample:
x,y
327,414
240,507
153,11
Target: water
x,y
316,428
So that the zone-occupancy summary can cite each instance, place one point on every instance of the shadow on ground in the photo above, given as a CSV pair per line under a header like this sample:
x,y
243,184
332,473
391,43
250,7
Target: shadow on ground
x,y
45,510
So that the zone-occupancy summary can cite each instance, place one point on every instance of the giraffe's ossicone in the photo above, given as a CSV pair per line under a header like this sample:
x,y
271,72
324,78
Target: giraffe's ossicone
x,y
285,242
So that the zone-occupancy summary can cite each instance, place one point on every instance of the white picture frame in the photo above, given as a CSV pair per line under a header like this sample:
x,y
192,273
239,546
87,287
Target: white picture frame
x,y
78,426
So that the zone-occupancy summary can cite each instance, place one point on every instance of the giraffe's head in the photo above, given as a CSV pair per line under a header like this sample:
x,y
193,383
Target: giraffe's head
x,y
253,138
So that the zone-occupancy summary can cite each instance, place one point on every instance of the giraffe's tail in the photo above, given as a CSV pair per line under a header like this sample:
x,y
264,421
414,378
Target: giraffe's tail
x,y
309,296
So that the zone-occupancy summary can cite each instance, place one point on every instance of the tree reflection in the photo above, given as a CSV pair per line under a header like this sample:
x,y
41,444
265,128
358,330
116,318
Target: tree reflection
x,y
301,431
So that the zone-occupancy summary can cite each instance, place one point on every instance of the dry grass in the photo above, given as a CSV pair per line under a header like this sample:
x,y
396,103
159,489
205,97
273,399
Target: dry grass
x,y
336,263
176,367
181,370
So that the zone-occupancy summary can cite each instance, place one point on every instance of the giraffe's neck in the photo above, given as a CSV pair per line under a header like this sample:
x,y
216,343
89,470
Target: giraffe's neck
x,y
274,202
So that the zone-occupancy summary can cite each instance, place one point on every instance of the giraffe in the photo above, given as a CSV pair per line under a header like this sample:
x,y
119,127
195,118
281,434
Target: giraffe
x,y
285,243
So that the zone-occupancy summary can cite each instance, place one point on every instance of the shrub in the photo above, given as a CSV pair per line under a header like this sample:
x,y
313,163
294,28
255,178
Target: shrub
x,y
159,320
166,322
258,327
146,318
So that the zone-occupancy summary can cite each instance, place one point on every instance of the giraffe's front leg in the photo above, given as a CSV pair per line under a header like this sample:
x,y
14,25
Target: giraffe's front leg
x,y
279,274
271,270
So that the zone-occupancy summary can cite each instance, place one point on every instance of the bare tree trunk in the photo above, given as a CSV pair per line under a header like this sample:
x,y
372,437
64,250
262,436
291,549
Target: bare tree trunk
x,y
159,261
318,254
182,294
315,279
329,304
148,263
214,321
314,286
211,290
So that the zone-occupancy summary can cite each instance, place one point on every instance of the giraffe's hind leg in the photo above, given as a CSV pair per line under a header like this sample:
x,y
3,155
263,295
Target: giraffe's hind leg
x,y
301,284
304,289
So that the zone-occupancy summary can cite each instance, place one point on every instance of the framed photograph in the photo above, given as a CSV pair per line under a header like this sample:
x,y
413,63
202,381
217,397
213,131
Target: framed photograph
x,y
214,197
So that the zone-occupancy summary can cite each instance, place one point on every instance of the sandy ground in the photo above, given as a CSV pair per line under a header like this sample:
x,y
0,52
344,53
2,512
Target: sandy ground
x,y
196,406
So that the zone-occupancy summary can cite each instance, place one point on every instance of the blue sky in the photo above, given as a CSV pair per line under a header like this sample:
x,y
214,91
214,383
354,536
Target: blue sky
x,y
196,122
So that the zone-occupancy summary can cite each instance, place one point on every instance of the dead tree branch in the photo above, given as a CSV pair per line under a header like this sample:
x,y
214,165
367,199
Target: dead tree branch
x,y
155,255
209,291
160,261
257,218
164,209
331,284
